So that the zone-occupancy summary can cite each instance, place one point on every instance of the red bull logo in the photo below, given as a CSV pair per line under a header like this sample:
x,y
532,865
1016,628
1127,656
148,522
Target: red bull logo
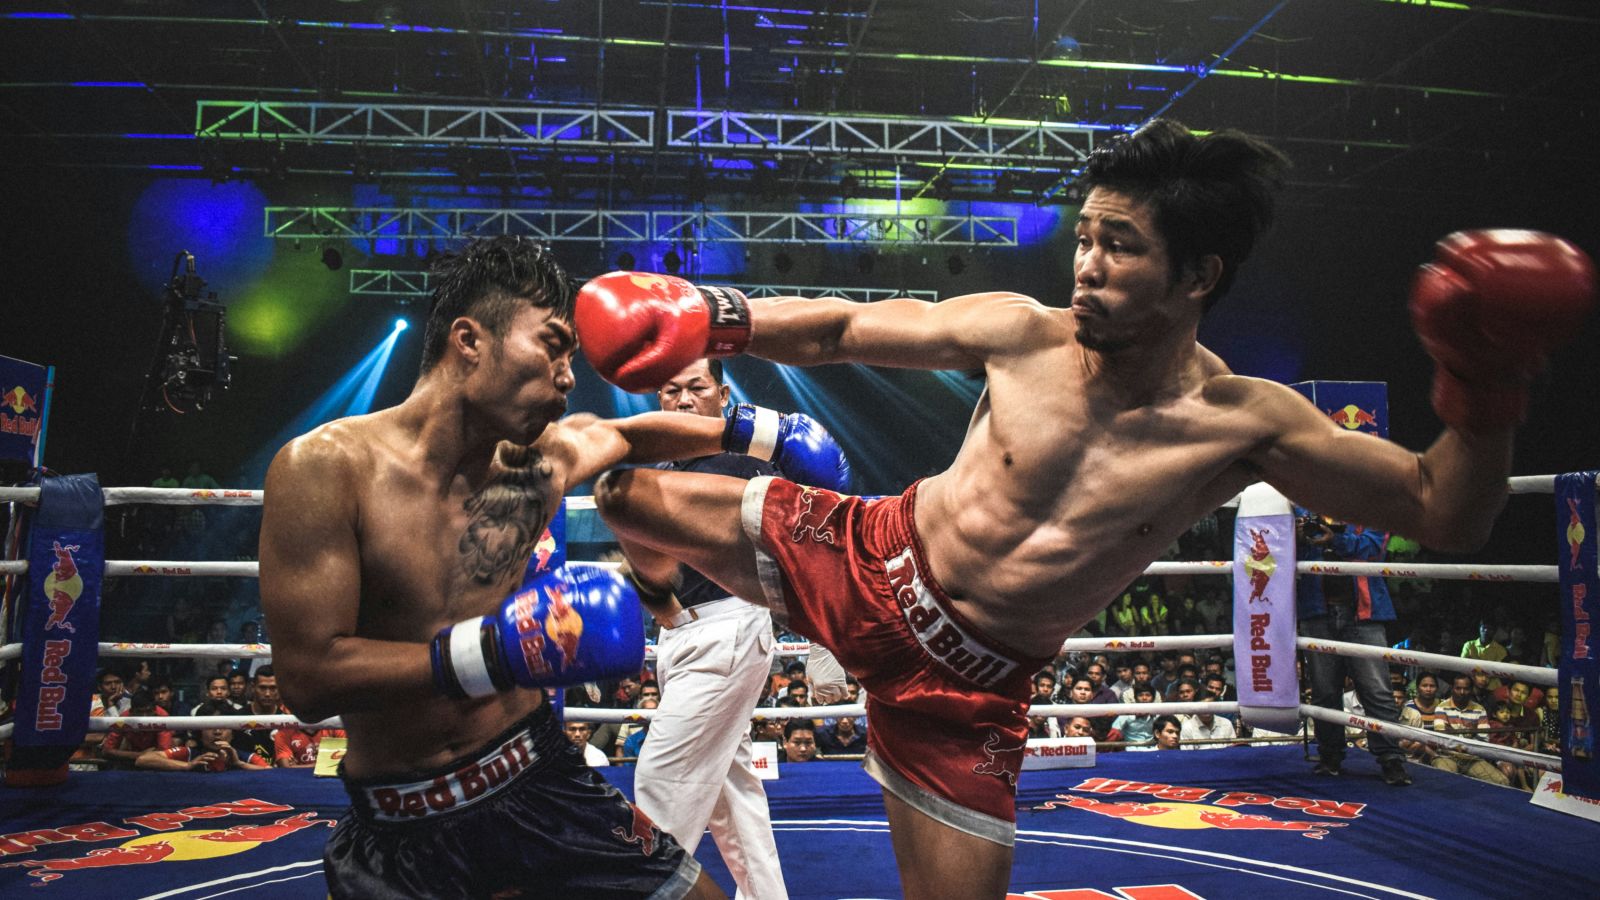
x,y
1004,754
642,832
1575,534
167,841
62,587
1354,418
19,401
1259,565
48,870
813,522
564,625
19,413
1173,806
266,833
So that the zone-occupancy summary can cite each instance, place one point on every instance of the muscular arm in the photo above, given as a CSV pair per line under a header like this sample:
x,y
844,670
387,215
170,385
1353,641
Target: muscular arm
x,y
960,333
1447,497
585,445
311,591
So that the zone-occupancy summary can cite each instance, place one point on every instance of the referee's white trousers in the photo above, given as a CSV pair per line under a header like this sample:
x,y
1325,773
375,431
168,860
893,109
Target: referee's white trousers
x,y
694,769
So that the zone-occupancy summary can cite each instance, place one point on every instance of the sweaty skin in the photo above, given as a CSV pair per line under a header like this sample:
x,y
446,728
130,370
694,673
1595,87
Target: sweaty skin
x,y
1105,431
381,529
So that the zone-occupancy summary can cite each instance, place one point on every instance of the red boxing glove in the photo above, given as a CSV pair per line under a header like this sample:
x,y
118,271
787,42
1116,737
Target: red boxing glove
x,y
1488,309
640,329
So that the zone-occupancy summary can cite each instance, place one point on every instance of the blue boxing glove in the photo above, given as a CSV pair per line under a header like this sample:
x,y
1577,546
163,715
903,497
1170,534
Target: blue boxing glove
x,y
578,623
796,443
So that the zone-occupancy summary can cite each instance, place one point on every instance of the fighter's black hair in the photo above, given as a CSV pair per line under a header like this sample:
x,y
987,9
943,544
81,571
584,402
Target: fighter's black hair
x,y
1210,195
489,280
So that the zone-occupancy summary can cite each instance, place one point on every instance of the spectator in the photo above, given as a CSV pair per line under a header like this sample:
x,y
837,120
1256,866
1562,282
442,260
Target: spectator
x,y
1485,647
1185,691
1165,675
1549,737
1355,610
217,692
1153,616
770,730
264,701
1045,683
238,688
1206,726
1124,682
590,695
796,671
161,692
635,741
799,741
139,679
112,699
1081,726
1522,696
799,692
1168,733
1507,729
123,748
579,734
844,736
1138,729
250,633
1096,673
1462,715
1422,711
1122,618
1141,675
1042,726
649,690
212,751
1483,688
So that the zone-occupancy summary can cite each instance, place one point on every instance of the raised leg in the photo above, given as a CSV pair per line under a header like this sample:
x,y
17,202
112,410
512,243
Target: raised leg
x,y
687,516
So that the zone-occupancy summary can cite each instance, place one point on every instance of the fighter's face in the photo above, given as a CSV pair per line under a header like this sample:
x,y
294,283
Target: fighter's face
x,y
523,376
1124,291
694,390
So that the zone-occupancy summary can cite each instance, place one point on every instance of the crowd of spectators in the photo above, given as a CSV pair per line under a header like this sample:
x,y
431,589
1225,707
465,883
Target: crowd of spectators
x,y
1454,618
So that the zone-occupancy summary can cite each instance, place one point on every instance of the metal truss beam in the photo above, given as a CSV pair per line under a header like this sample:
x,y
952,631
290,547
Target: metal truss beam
x,y
685,129
366,223
867,135
369,223
858,294
399,283
403,123
835,228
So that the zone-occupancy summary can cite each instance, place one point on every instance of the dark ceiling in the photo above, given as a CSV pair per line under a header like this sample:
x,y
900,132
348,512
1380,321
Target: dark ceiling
x,y
1371,98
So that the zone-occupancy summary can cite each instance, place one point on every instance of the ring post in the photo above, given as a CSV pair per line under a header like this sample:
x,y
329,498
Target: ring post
x,y
1264,610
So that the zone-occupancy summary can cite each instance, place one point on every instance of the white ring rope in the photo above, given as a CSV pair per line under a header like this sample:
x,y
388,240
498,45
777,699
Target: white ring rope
x,y
1406,732
114,496
1153,642
1535,675
1440,571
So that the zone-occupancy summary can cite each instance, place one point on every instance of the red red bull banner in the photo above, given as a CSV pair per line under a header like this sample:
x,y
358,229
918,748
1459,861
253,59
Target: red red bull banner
x,y
60,625
1264,609
1579,677
23,410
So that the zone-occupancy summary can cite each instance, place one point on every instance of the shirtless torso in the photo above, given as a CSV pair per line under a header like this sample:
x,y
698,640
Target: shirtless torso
x,y
381,529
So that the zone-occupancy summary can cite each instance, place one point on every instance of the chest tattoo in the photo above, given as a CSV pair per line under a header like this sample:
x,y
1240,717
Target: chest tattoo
x,y
507,516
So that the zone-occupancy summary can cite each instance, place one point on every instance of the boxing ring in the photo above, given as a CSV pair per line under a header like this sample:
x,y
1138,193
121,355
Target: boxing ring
x,y
1146,826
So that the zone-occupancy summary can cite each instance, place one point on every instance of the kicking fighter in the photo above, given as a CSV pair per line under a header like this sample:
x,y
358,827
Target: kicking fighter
x,y
1105,431
389,545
